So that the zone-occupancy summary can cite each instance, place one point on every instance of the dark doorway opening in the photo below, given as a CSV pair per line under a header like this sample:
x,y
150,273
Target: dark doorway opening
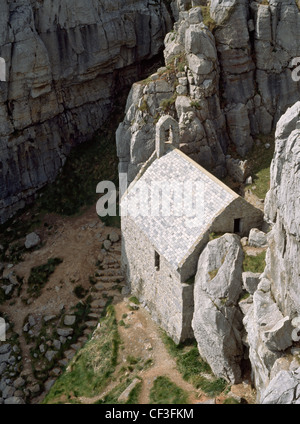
x,y
237,225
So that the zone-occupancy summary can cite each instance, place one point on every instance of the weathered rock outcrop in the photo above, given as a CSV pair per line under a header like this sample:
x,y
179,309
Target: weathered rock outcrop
x,y
186,88
65,62
228,85
283,389
271,319
217,320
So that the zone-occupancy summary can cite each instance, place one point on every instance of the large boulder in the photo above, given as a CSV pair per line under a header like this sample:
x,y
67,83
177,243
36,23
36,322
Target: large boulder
x,y
283,389
217,319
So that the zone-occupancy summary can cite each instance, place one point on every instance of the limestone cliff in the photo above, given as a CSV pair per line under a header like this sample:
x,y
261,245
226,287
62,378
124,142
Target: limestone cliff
x,y
228,78
273,319
65,61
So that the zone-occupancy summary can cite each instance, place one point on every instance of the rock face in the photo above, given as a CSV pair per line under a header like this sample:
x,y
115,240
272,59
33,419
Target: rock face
x,y
270,320
217,320
65,60
282,212
187,89
228,85
283,389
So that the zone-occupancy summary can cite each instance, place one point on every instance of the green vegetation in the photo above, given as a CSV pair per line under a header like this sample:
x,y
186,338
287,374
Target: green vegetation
x,y
113,396
231,401
92,367
164,391
255,263
144,106
134,300
213,236
166,104
193,368
260,161
87,165
244,295
195,104
39,276
80,291
213,273
207,19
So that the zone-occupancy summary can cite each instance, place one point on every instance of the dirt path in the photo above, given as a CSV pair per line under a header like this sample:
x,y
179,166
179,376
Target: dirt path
x,y
142,339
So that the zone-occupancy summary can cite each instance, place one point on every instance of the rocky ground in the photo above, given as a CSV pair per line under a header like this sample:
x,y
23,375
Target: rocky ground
x,y
45,331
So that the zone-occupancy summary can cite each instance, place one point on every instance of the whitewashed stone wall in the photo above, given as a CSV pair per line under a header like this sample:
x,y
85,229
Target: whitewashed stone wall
x,y
169,301
250,216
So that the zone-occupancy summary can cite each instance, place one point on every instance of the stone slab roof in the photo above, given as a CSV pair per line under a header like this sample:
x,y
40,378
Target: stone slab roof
x,y
175,233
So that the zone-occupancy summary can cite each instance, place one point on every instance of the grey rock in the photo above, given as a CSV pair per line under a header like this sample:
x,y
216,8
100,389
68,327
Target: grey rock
x,y
237,169
65,332
125,394
114,237
5,357
69,320
250,281
34,389
257,238
3,366
42,348
48,318
32,240
48,384
19,382
8,392
50,354
14,401
57,344
107,244
5,348
217,319
283,389
31,321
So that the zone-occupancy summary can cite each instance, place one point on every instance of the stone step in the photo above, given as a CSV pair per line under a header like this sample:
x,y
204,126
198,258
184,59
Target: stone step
x,y
110,278
98,303
94,315
96,310
91,324
108,272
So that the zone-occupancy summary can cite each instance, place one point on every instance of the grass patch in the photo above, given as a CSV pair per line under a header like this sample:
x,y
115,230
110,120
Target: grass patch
x,y
213,236
92,367
134,300
207,19
260,160
88,163
166,104
80,291
39,276
164,391
231,401
192,367
255,263
213,273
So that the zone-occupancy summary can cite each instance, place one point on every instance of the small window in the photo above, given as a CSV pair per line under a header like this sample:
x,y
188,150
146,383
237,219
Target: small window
x,y
157,261
237,225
